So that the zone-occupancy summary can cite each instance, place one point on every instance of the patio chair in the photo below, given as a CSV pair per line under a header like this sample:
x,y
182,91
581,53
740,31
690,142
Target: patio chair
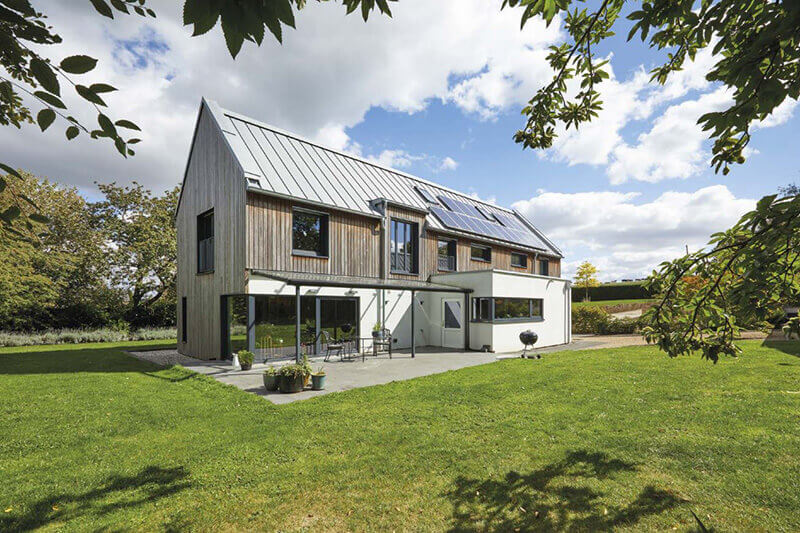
x,y
332,346
382,343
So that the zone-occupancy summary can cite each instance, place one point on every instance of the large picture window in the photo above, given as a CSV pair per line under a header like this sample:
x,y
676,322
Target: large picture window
x,y
507,309
403,248
205,242
309,233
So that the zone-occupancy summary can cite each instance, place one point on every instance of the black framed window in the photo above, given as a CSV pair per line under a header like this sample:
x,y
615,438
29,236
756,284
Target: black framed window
x,y
403,249
544,267
309,233
446,254
480,253
205,242
507,309
183,319
519,260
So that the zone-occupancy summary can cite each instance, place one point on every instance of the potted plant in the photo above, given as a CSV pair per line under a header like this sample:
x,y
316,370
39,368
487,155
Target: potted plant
x,y
318,379
306,370
246,359
271,379
292,377
377,331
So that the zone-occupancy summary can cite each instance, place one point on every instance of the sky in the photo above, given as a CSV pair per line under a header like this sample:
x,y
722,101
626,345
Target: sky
x,y
435,91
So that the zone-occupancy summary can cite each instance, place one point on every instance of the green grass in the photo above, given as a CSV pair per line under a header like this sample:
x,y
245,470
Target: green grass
x,y
91,439
606,303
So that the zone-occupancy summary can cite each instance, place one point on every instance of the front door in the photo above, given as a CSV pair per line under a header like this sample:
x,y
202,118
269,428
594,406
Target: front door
x,y
452,323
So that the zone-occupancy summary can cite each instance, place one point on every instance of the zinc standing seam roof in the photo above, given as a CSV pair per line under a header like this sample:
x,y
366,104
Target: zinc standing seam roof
x,y
276,161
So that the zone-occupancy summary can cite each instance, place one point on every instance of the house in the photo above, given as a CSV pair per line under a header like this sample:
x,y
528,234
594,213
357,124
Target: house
x,y
281,239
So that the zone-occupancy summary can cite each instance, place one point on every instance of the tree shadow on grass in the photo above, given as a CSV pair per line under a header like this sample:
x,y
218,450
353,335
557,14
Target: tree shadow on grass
x,y
117,492
95,360
791,347
555,497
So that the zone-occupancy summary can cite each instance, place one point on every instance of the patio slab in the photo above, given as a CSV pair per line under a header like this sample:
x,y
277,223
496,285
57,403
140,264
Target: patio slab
x,y
353,374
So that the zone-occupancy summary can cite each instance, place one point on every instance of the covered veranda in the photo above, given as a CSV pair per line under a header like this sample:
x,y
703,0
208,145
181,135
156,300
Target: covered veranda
x,y
305,319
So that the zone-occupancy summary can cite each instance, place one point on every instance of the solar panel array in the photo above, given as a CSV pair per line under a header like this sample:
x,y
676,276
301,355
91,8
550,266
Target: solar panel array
x,y
426,195
460,217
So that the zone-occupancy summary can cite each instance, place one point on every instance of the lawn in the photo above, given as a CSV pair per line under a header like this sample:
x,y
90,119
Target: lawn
x,y
91,439
610,303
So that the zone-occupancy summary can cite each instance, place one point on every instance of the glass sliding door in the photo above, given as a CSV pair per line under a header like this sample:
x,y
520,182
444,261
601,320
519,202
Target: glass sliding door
x,y
339,318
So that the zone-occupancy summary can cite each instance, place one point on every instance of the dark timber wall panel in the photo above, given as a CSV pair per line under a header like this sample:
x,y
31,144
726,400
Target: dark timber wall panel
x,y
353,247
213,180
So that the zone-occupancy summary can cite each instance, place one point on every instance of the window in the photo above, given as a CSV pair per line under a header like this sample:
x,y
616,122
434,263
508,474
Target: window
x,y
447,254
480,253
519,260
507,309
452,314
205,242
309,233
404,247
183,319
544,267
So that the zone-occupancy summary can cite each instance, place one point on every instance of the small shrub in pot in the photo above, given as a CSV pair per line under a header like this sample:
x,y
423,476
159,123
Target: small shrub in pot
x,y
318,379
292,378
246,359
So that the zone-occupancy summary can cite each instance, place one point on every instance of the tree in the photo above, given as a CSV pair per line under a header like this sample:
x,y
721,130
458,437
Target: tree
x,y
60,282
744,279
140,243
585,277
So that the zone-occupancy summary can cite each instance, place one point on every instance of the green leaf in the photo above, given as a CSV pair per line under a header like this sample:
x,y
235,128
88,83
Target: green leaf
x,y
127,124
101,88
45,117
106,125
102,8
88,94
37,217
48,98
72,132
11,171
2,184
78,64
44,75
10,214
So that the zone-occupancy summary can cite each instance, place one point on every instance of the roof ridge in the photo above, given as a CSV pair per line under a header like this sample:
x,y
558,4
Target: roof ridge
x,y
298,137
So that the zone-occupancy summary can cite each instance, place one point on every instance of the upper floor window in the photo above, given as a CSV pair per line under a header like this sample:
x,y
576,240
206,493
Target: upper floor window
x,y
480,253
403,249
519,260
309,233
446,254
205,242
544,267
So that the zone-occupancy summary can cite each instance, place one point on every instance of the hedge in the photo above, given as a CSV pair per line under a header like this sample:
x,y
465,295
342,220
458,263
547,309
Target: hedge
x,y
633,290
595,320
80,336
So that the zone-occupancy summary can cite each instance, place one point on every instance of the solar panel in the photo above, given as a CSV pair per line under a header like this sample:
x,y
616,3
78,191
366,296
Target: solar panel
x,y
426,195
462,222
458,206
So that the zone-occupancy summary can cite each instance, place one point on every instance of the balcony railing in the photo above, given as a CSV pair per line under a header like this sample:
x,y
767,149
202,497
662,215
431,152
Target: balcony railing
x,y
447,262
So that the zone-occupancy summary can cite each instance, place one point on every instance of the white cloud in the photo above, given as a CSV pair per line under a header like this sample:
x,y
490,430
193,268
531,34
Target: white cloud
x,y
673,148
448,163
328,73
626,238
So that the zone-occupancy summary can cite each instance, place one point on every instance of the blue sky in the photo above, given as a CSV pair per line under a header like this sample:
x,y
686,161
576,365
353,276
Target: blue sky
x,y
434,91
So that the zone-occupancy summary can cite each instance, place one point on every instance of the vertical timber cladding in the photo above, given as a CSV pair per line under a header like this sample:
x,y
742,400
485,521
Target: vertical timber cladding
x,y
214,180
353,246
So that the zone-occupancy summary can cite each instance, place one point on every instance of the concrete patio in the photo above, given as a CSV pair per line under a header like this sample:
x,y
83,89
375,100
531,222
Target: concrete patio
x,y
355,373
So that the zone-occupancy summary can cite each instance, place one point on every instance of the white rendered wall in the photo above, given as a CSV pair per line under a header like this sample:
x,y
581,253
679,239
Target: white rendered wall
x,y
554,329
